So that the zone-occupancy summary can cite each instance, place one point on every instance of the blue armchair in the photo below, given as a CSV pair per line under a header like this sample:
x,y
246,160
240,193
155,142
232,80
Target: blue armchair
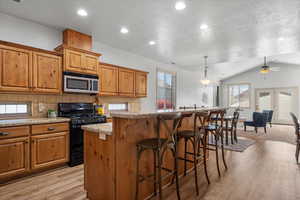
x,y
259,120
270,116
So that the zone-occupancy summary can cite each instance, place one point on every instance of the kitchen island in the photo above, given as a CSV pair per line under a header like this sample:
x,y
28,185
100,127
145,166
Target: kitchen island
x,y
110,155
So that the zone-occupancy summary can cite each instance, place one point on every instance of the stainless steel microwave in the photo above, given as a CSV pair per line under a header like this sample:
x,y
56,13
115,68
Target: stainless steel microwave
x,y
81,83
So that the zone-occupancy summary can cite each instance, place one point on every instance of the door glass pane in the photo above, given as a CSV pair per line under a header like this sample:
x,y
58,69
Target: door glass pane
x,y
285,105
234,96
264,101
244,96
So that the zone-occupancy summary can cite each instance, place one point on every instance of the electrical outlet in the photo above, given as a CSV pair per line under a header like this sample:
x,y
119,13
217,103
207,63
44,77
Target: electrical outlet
x,y
42,107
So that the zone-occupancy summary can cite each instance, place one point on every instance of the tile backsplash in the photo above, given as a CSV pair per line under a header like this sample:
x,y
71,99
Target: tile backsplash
x,y
50,101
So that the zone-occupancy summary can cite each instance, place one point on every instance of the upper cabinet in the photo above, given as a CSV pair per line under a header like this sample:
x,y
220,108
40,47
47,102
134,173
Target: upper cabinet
x,y
47,73
26,69
78,60
126,82
108,80
120,81
140,84
16,69
77,40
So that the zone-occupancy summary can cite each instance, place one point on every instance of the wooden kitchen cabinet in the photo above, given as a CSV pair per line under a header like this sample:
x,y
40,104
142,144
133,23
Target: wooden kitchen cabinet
x,y
14,154
49,149
15,69
90,64
140,84
126,82
31,148
108,80
121,81
73,61
79,60
28,69
47,73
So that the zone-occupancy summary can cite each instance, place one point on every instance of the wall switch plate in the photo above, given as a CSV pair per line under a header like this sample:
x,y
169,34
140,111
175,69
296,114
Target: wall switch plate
x,y
42,107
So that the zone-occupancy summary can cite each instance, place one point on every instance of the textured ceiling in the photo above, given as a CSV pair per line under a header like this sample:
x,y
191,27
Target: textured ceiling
x,y
239,30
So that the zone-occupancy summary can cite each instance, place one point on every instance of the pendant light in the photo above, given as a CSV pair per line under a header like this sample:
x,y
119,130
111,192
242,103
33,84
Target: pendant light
x,y
205,81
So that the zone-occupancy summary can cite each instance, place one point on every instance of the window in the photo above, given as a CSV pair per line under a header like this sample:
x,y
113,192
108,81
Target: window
x,y
14,109
166,90
239,95
118,107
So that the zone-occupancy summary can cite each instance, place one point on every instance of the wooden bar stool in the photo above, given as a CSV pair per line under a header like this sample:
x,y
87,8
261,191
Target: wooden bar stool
x,y
215,129
195,137
159,146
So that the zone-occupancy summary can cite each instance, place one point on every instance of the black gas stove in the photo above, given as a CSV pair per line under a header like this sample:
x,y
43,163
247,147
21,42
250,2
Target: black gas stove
x,y
80,114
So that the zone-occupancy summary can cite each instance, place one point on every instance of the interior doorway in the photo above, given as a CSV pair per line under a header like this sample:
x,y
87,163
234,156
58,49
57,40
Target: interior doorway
x,y
281,100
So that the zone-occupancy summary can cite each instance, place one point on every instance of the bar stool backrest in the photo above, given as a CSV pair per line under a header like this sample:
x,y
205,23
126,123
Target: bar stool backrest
x,y
162,119
216,117
296,123
203,118
235,118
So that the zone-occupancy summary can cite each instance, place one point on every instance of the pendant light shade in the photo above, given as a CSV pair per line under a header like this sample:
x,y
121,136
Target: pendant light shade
x,y
205,81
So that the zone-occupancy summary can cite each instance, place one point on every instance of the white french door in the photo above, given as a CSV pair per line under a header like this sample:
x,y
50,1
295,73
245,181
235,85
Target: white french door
x,y
281,100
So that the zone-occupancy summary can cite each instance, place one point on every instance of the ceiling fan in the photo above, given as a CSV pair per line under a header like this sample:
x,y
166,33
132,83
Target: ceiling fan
x,y
265,69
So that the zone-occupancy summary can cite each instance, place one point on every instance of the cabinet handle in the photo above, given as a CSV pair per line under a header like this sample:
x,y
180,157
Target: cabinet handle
x,y
51,129
4,133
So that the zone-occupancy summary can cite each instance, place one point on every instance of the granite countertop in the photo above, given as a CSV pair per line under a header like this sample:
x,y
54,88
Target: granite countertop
x,y
102,129
139,115
31,121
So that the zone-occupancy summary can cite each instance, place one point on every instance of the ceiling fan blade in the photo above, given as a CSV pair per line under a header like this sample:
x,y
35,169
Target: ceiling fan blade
x,y
275,69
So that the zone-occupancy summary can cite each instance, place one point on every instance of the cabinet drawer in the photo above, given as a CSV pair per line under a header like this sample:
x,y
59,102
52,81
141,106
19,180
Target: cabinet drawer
x,y
11,132
49,128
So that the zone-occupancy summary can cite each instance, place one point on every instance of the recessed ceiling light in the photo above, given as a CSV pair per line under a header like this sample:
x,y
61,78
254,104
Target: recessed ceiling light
x,y
124,30
152,43
82,12
204,27
281,39
180,5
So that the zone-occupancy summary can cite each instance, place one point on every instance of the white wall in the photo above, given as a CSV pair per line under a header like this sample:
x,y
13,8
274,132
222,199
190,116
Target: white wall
x,y
25,32
287,77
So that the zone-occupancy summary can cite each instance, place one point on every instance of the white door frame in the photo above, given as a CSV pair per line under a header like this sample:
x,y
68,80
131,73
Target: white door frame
x,y
274,103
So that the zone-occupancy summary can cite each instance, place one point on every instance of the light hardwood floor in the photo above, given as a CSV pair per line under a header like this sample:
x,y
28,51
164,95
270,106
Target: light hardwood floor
x,y
265,171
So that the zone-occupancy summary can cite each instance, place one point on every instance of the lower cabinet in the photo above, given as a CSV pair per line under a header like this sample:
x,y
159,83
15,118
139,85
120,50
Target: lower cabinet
x,y
27,149
49,149
14,154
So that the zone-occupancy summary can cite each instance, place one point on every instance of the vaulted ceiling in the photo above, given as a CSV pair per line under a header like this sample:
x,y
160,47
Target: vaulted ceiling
x,y
238,30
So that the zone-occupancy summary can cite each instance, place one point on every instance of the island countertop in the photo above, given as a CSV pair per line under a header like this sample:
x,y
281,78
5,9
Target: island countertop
x,y
151,114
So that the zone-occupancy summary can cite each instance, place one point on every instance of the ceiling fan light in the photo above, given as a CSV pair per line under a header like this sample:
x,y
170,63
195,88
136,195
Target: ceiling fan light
x,y
264,70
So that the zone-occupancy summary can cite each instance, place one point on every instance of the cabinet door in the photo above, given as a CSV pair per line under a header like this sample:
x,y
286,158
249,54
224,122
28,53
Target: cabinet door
x,y
108,80
14,156
73,61
46,73
90,64
140,84
126,82
16,69
49,149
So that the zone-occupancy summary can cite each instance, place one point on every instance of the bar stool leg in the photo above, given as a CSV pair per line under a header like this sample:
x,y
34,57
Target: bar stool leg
x,y
138,155
176,172
223,154
154,172
204,157
217,155
159,173
231,135
195,145
185,155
